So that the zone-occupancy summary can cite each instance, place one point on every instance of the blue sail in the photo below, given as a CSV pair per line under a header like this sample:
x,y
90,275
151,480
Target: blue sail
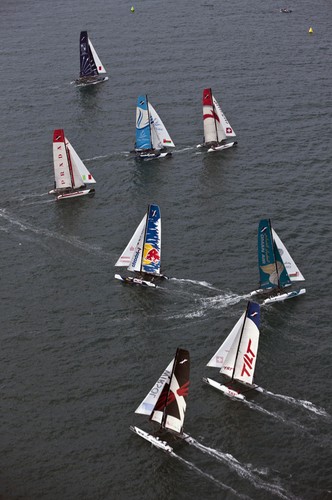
x,y
272,271
143,133
253,313
152,242
87,63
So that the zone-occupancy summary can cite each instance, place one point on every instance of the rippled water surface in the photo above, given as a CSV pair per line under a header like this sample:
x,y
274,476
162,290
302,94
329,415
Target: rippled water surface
x,y
79,350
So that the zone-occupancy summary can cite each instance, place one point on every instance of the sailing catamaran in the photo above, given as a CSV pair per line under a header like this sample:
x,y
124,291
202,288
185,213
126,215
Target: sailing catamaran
x,y
166,402
72,178
236,357
277,269
217,129
91,67
143,252
152,138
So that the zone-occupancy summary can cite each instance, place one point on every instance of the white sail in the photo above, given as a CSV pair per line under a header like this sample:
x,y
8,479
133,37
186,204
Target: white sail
x,y
224,129
159,135
237,355
219,358
149,402
136,258
125,258
293,271
247,353
209,124
78,167
61,166
98,63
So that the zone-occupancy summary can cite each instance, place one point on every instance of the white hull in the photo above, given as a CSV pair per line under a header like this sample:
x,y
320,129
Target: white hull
x,y
221,147
134,281
284,296
152,156
223,388
217,148
73,194
158,443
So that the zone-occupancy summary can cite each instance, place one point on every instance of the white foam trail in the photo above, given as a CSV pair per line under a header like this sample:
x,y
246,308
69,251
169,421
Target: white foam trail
x,y
208,476
307,405
45,232
241,470
194,282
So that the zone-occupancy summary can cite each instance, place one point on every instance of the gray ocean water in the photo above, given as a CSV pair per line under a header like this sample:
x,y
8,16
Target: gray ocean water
x,y
79,351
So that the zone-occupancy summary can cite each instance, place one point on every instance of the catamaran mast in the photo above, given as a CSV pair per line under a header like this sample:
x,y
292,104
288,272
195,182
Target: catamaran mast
x,y
239,343
274,253
214,116
145,231
70,166
149,118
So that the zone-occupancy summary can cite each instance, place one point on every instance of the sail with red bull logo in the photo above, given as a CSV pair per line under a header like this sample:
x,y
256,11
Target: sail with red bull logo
x,y
277,269
72,178
143,252
217,128
237,355
166,402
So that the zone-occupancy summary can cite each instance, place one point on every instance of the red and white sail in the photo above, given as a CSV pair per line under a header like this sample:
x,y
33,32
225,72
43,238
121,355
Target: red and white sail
x,y
216,126
236,357
166,402
69,170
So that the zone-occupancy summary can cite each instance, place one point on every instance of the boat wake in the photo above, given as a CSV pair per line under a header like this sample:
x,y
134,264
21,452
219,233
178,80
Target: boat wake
x,y
241,470
207,476
194,282
272,414
25,226
307,405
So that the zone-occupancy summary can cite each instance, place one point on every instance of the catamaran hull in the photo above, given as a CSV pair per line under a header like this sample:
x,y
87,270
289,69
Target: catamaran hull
x,y
134,281
74,194
217,148
223,388
158,443
285,296
152,156
83,82
280,297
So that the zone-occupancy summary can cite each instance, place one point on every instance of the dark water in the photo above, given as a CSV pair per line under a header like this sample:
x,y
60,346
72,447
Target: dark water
x,y
79,350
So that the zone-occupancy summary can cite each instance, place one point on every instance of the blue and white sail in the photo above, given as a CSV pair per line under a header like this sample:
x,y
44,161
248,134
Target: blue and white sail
x,y
143,131
276,267
151,133
91,67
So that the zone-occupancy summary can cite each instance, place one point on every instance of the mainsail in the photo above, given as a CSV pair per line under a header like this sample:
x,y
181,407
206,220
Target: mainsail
x,y
143,132
236,357
69,170
143,252
90,64
216,126
277,269
166,402
151,133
